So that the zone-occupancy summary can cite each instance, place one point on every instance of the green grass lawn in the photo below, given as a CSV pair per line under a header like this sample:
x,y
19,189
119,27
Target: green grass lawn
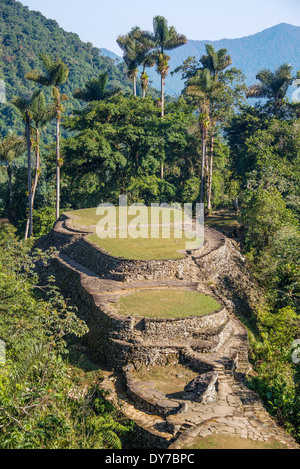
x,y
167,304
147,242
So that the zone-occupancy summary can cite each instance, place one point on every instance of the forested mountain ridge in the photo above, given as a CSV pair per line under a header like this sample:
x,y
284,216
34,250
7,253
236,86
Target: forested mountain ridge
x,y
267,49
24,34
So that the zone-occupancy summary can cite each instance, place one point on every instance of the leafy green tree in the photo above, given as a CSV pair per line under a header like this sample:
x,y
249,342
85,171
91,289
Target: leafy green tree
x,y
45,402
117,145
55,75
264,213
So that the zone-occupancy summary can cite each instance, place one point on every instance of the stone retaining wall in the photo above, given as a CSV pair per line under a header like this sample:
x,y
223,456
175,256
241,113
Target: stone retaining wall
x,y
77,246
149,399
93,257
184,327
144,394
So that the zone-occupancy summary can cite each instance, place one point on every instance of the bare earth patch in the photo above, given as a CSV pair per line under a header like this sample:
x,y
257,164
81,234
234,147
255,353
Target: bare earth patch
x,y
170,380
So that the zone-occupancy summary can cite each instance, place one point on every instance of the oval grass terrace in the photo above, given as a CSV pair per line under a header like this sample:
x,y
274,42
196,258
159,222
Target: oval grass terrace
x,y
154,234
164,304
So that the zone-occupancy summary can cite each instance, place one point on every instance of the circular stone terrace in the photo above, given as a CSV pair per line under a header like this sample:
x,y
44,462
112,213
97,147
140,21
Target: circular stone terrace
x,y
155,323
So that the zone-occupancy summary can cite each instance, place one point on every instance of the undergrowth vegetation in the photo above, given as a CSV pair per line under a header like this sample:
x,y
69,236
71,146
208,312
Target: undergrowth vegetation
x,y
47,399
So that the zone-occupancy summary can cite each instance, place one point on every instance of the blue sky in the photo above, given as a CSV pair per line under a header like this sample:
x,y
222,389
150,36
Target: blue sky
x,y
100,22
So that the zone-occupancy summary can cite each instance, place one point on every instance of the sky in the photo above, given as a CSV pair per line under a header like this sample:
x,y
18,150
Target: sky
x,y
101,21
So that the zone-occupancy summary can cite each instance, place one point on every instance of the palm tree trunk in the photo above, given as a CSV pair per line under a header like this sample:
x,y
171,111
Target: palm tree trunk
x,y
162,115
210,172
162,96
57,167
143,81
134,85
203,158
37,167
9,174
29,227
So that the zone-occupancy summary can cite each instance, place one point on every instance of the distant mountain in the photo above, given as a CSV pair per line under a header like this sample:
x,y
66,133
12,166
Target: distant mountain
x,y
267,49
110,54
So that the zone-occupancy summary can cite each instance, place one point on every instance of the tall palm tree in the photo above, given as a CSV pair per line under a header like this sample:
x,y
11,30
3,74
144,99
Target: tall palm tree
x,y
203,88
165,38
36,113
23,105
95,90
11,148
216,62
145,55
129,45
41,114
137,46
55,74
272,86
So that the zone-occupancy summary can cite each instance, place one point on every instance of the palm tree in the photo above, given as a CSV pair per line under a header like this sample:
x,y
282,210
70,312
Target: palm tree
x,y
129,45
203,88
272,86
11,148
145,55
95,90
165,38
41,114
36,113
55,75
137,46
215,62
23,106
